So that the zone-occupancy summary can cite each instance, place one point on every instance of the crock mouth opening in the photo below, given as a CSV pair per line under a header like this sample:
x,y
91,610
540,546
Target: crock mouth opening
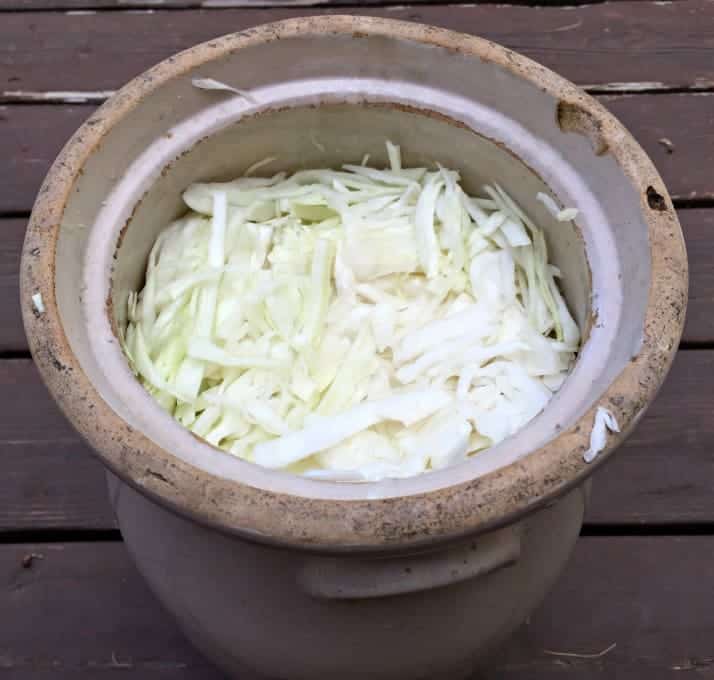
x,y
201,148
542,459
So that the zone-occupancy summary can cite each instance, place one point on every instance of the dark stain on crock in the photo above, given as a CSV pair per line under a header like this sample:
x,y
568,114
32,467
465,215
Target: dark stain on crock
x,y
655,200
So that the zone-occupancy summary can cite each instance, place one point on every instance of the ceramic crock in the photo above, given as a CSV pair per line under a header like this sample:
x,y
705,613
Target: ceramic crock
x,y
277,576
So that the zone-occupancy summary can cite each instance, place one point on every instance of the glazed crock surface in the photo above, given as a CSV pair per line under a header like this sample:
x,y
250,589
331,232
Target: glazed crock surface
x,y
371,519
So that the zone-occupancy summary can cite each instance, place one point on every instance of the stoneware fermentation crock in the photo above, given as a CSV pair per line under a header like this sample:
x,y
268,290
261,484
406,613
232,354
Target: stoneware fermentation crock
x,y
278,576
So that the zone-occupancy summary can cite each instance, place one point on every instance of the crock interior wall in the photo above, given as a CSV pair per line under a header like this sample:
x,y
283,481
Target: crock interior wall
x,y
328,136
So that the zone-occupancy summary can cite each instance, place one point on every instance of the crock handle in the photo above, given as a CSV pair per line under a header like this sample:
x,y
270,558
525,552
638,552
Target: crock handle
x,y
347,578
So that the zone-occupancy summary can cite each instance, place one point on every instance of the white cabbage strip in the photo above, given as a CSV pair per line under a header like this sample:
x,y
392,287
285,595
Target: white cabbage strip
x,y
604,422
351,324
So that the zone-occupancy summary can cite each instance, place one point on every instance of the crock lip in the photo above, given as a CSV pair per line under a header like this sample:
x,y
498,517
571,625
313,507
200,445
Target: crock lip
x,y
481,504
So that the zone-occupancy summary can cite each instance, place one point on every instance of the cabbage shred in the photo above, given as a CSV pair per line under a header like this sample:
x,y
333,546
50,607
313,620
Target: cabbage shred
x,y
351,324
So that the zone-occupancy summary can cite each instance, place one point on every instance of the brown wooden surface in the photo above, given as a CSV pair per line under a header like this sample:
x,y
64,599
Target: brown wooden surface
x,y
12,335
665,44
52,485
81,611
665,471
30,139
698,226
79,5
685,120
11,5
664,474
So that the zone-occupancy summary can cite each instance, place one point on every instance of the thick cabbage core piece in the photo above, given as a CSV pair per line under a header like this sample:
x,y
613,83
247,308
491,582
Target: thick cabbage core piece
x,y
351,324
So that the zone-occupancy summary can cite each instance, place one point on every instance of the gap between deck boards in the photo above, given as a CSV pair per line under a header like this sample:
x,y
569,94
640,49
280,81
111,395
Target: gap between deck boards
x,y
589,530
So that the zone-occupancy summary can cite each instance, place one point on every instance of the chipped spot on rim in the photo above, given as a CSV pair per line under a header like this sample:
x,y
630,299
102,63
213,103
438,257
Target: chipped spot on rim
x,y
573,117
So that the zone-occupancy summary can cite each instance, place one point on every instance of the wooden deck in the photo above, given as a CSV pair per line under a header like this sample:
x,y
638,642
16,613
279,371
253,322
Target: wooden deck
x,y
637,600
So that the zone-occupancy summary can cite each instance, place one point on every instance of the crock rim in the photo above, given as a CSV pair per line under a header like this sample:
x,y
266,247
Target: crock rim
x,y
480,504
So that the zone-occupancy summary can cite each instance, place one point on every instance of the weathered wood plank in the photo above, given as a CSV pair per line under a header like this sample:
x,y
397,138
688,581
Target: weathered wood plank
x,y
81,610
90,615
665,44
75,5
12,335
665,471
32,135
78,5
663,474
52,485
698,228
687,152
627,592
30,139
92,5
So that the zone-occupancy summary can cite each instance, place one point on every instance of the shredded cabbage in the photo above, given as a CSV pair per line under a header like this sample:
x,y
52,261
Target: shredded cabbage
x,y
38,303
212,84
351,324
604,422
564,215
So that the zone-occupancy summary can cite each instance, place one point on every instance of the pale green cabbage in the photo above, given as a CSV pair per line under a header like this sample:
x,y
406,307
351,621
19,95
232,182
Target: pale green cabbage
x,y
351,324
